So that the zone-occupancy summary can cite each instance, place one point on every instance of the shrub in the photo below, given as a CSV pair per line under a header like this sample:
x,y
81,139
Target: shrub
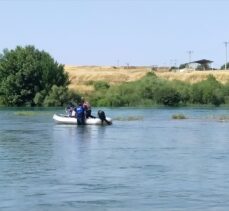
x,y
208,91
59,96
39,98
167,95
101,85
179,116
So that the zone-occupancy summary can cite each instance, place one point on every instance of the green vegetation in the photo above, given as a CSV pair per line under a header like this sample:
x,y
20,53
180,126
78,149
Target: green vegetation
x,y
29,77
101,85
151,90
179,116
223,66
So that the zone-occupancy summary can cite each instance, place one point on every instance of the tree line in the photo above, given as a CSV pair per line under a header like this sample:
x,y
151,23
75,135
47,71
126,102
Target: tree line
x,y
152,90
29,77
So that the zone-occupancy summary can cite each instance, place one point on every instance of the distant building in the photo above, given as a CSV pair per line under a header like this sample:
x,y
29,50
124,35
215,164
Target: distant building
x,y
202,64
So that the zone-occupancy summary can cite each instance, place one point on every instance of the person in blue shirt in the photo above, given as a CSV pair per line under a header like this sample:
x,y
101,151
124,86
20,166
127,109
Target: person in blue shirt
x,y
80,114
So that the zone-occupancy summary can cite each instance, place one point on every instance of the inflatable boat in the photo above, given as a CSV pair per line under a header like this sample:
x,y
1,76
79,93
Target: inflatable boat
x,y
63,119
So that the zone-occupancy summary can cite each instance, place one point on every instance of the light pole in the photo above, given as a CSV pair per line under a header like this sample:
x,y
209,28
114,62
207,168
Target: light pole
x,y
118,63
190,56
225,43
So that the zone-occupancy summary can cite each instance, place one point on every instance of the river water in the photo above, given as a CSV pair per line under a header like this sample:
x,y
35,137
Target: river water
x,y
144,161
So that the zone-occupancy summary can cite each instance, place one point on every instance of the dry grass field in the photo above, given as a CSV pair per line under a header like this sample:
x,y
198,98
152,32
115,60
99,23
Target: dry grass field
x,y
82,76
196,76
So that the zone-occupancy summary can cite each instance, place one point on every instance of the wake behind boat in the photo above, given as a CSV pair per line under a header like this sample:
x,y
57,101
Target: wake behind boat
x,y
64,119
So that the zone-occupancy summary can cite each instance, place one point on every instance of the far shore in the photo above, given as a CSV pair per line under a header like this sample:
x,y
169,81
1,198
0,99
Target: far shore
x,y
82,76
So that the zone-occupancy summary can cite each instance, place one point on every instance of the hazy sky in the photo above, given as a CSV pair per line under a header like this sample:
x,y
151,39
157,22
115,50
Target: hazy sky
x,y
112,32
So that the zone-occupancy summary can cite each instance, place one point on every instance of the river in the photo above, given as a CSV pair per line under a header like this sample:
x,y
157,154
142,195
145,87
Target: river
x,y
146,160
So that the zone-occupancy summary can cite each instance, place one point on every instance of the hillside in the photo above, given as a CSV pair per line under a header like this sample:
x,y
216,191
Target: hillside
x,y
82,76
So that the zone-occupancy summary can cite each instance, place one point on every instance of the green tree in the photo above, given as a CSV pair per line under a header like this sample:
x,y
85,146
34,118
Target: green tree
x,y
168,96
59,96
25,72
223,66
183,89
209,91
182,66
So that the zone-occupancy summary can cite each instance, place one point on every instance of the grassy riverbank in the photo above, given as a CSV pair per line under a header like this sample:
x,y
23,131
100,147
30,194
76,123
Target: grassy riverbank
x,y
82,77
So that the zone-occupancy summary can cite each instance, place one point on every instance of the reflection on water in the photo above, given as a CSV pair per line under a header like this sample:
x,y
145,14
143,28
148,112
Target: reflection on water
x,y
148,163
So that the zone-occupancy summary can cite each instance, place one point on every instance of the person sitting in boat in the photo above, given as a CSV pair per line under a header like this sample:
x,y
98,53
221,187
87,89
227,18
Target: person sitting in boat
x,y
87,108
70,110
80,114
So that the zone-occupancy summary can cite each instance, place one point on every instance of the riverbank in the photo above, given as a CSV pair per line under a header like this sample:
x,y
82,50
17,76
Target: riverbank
x,y
81,77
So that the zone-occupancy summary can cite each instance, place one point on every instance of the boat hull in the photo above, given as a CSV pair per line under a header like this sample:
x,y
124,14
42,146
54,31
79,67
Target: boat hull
x,y
63,119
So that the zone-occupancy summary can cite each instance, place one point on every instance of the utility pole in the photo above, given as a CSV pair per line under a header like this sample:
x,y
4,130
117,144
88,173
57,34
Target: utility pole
x,y
225,43
189,56
127,65
118,63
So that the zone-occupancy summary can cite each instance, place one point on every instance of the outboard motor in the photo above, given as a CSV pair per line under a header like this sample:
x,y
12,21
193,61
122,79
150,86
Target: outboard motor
x,y
102,116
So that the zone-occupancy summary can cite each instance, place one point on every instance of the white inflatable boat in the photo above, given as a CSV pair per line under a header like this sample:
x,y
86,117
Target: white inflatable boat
x,y
63,119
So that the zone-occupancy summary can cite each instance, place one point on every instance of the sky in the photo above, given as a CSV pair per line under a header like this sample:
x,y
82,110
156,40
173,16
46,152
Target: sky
x,y
119,32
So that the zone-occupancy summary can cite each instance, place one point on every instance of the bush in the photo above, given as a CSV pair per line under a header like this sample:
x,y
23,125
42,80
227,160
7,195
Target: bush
x,y
59,96
56,97
179,116
183,89
101,85
39,98
208,91
168,97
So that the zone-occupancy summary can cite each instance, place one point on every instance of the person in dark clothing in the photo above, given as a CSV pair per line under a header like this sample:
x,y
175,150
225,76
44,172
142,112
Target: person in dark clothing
x,y
80,114
87,108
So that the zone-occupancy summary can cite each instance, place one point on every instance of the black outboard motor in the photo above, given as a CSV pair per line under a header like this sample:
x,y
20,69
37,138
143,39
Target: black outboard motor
x,y
102,116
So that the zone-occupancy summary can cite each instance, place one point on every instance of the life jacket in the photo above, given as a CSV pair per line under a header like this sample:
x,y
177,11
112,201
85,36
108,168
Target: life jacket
x,y
80,111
